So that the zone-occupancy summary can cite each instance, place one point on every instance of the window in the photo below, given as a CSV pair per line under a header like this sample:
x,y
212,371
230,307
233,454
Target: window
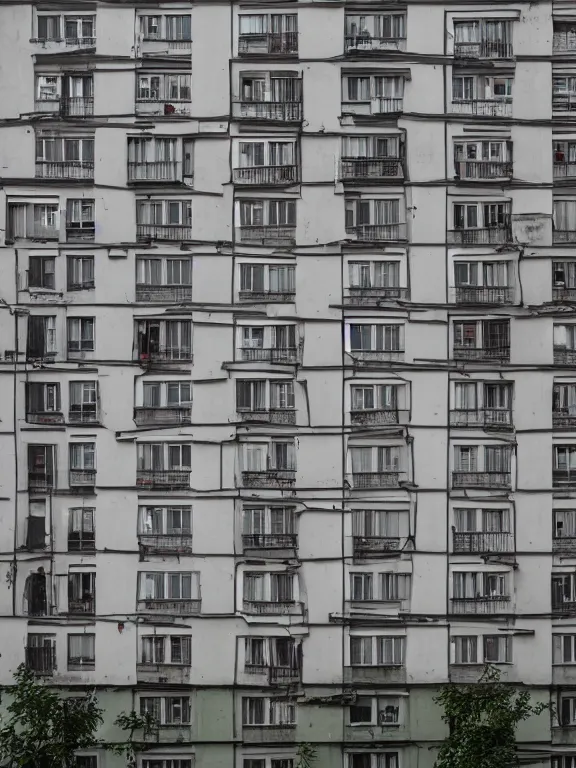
x,y
163,87
81,651
165,521
395,586
176,28
481,215
377,651
80,273
564,649
41,465
367,397
376,338
49,28
272,521
256,154
83,401
479,585
169,586
274,342
278,652
383,26
164,456
267,278
173,649
564,523
275,587
565,337
36,528
166,710
166,394
482,520
483,334
164,339
42,397
160,271
379,523
270,87
380,710
361,586
81,334
82,592
268,711
273,213
364,212
565,459
164,213
41,653
374,274
563,589
465,649
264,395
41,339
87,761
41,272
497,649
81,534
476,274
368,87
70,151
372,760
567,711
564,274
478,88
375,459
80,219
277,455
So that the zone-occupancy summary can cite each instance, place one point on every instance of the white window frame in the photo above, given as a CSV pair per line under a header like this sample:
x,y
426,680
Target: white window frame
x,y
165,454
164,388
282,399
380,523
485,584
277,712
82,456
382,396
364,273
78,327
156,88
257,519
146,209
247,277
165,709
379,650
249,336
378,715
271,150
147,585
481,88
383,458
267,591
161,514
165,655
267,212
167,274
392,336
563,648
376,87
475,519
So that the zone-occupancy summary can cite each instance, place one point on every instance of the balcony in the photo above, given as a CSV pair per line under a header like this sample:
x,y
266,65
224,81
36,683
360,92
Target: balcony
x,y
167,415
482,480
389,479
482,169
377,355
163,478
146,232
563,102
267,175
563,236
84,605
482,236
268,44
482,354
565,544
162,107
563,478
284,675
563,39
360,44
164,294
281,297
564,294
45,417
378,232
374,416
64,170
31,230
271,478
563,170
564,356
76,106
83,416
269,607
165,544
268,235
82,478
483,107
482,604
498,418
175,607
496,295
492,541
40,481
372,297
277,111
487,49
269,541
165,355
167,170
271,416
84,234
366,169
563,606
564,418
269,354
41,660
373,546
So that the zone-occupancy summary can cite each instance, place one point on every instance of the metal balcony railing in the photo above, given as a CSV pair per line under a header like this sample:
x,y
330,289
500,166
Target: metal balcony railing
x,y
64,170
481,480
562,170
363,44
270,354
481,604
367,168
83,415
481,236
563,606
268,43
564,544
284,675
564,418
163,232
564,293
166,543
271,478
40,481
387,479
272,416
481,417
165,354
85,544
563,102
82,42
376,232
366,546
287,296
383,105
163,478
167,415
501,353
564,356
82,478
268,606
41,660
83,605
563,236
482,169
281,111
269,541
170,606
480,541
563,478
483,107
267,175
486,49
163,293
165,170
77,106
268,235
374,416
376,355
45,417
494,294
373,296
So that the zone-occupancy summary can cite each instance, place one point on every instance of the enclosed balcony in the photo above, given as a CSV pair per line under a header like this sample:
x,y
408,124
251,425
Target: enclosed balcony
x,y
166,479
473,295
498,418
370,169
82,606
386,479
145,416
564,418
270,416
271,478
488,480
366,547
482,604
82,478
174,607
482,541
165,544
564,37
268,44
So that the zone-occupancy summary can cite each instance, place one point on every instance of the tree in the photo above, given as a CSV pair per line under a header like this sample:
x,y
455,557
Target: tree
x,y
483,718
41,729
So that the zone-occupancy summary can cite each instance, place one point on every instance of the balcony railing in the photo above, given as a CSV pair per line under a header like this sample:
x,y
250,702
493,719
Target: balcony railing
x,y
83,605
482,236
270,43
83,416
562,170
482,353
481,417
271,478
163,232
563,478
46,417
281,111
372,546
563,102
564,606
564,544
480,541
268,606
564,418
483,107
41,660
383,105
372,232
32,231
481,604
287,296
376,355
482,169
495,294
486,49
167,415
165,170
166,543
40,481
64,170
176,607
269,541
563,236
270,354
564,356
163,478
364,44
481,480
388,479
267,175
271,416
165,355
268,235
374,416
77,106
163,293
284,675
564,294
367,297
75,234
367,168
82,478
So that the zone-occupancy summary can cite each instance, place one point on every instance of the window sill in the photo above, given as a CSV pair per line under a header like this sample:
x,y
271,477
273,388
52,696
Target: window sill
x,y
374,725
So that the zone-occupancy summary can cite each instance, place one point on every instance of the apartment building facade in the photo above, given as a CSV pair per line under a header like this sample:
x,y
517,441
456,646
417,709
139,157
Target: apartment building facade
x,y
288,368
